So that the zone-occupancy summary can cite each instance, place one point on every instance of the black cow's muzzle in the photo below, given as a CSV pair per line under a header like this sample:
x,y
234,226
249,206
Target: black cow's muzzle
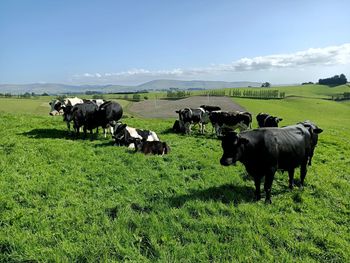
x,y
227,161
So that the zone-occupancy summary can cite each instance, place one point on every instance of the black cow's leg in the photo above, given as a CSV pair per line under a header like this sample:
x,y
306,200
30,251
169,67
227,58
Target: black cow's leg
x,y
257,188
291,178
77,131
91,135
268,185
310,158
303,171
84,129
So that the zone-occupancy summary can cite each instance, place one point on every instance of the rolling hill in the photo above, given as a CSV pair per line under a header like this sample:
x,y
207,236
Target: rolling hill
x,y
54,88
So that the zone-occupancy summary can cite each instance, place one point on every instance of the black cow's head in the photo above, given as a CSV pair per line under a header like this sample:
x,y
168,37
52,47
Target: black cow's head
x,y
67,113
233,148
272,121
119,133
313,130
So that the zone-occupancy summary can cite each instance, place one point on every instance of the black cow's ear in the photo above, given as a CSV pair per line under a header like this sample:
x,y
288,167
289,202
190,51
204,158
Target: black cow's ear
x,y
280,119
318,130
177,111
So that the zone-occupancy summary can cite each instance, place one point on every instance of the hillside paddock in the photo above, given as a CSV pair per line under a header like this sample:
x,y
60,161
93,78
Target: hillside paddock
x,y
89,201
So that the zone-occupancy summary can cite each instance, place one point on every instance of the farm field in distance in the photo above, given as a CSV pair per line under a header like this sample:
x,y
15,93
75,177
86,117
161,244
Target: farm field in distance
x,y
89,201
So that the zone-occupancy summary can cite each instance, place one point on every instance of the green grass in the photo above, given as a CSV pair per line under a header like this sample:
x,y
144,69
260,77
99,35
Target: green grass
x,y
37,106
314,91
308,91
89,201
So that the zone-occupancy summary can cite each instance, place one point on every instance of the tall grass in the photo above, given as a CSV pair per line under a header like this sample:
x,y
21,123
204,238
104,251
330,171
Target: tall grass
x,y
79,200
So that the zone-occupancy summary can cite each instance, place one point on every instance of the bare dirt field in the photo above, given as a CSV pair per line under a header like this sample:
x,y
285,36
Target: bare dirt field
x,y
167,108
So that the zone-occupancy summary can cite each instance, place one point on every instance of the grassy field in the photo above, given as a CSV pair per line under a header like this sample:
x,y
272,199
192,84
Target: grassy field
x,y
308,91
38,105
89,201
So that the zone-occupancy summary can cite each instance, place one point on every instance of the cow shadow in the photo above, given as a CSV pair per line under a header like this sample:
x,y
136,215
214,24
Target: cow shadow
x,y
226,194
168,131
47,134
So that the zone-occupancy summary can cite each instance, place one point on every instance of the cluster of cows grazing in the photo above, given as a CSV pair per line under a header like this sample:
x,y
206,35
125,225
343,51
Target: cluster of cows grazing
x,y
262,151
219,119
91,114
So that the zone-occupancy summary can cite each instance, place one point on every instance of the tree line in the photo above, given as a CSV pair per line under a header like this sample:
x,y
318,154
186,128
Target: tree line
x,y
334,81
258,94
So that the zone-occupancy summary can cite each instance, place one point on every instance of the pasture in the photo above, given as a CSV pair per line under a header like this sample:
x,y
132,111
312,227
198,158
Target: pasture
x,y
88,201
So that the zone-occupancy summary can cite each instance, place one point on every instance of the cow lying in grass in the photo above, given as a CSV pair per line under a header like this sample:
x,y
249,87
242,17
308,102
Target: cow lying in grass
x,y
127,136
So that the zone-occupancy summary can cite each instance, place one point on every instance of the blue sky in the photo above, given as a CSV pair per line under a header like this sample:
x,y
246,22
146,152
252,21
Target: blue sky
x,y
130,42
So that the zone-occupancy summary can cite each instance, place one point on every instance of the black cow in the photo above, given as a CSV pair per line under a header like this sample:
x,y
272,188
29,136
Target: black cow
x,y
177,128
189,117
108,114
127,136
266,120
314,131
263,151
90,116
230,120
153,147
82,115
209,108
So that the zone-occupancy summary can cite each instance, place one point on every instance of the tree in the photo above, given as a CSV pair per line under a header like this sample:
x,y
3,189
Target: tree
x,y
266,85
136,97
333,81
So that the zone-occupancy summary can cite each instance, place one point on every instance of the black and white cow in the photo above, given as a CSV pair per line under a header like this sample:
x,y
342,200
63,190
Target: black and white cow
x,y
266,120
153,147
189,117
98,102
89,116
57,106
314,131
230,120
127,136
264,151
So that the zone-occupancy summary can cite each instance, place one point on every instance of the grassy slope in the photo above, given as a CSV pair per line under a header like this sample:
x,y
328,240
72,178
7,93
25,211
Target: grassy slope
x,y
308,91
77,200
38,106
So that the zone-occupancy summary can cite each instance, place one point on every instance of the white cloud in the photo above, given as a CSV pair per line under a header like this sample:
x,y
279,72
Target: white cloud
x,y
328,56
333,55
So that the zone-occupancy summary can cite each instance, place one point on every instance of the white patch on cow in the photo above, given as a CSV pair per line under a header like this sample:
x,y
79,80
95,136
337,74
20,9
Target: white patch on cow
x,y
133,133
152,137
99,102
131,146
72,101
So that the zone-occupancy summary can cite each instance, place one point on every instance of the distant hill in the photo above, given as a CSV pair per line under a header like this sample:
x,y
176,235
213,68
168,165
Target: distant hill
x,y
195,84
162,84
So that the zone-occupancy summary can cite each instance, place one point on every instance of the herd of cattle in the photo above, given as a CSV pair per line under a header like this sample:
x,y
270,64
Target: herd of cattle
x,y
262,151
